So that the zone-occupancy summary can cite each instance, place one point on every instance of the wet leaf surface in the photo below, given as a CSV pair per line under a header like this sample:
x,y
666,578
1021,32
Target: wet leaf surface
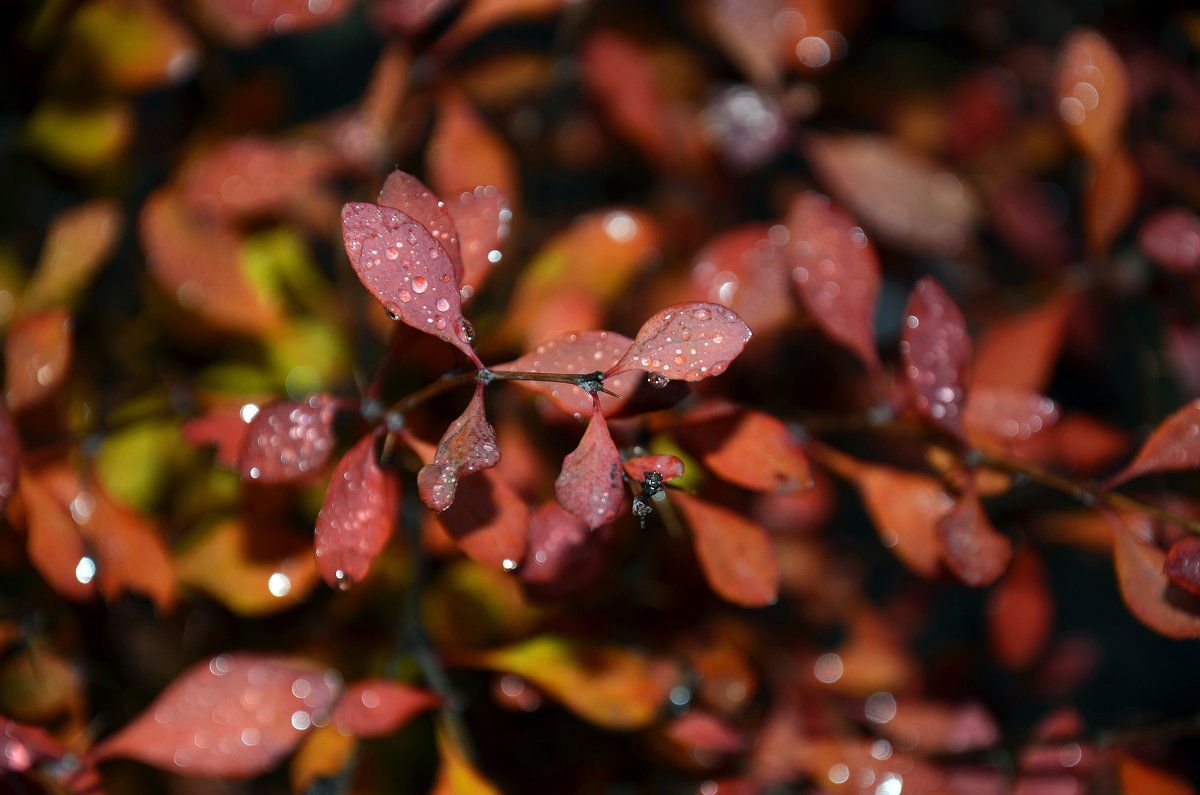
x,y
936,354
589,485
468,446
576,353
746,269
972,548
1183,564
405,192
373,708
666,466
1007,415
482,217
735,554
465,152
687,342
288,440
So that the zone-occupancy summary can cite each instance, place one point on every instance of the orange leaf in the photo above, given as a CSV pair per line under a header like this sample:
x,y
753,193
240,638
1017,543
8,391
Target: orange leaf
x,y
457,775
1093,92
464,152
1141,778
1005,415
482,15
488,521
1146,588
324,754
746,447
482,218
55,545
1020,351
973,549
905,508
746,30
37,357
735,554
1174,445
77,244
245,22
705,733
1110,200
1020,612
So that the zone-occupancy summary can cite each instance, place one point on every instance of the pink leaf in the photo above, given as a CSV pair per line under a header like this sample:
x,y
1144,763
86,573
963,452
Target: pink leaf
x,y
251,176
468,445
1093,92
589,485
1171,238
408,194
232,716
1009,415
688,342
735,553
835,271
705,733
358,516
974,550
1174,445
564,555
1183,564
407,270
745,269
222,427
577,353
373,708
668,466
936,351
482,218
287,440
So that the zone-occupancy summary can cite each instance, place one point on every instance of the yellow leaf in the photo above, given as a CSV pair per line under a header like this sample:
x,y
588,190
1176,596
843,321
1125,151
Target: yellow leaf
x,y
80,138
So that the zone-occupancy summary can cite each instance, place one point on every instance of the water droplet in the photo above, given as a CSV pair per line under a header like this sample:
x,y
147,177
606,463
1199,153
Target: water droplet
x,y
443,305
392,253
440,322
344,581
85,570
509,564
657,380
301,720
466,331
279,584
420,284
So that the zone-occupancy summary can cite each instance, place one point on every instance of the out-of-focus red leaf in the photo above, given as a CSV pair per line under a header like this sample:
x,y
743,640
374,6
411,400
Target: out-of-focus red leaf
x,y
749,448
37,357
610,686
10,458
1183,564
404,266
223,427
687,342
735,553
372,708
408,194
980,113
936,353
253,176
1093,92
1021,351
1109,200
1147,589
358,516
1031,218
56,548
457,775
1141,778
245,22
564,556
464,152
668,466
827,758
253,570
576,353
130,550
746,30
745,268
589,485
409,17
482,15
1171,238
77,244
1006,415
912,202
1174,445
799,512
974,550
703,732
27,746
835,271
1020,612
482,218
468,445
199,264
231,716
934,728
288,440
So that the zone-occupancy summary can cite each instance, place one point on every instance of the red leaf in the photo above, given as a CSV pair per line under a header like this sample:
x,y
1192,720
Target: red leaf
x,y
577,353
936,351
409,17
749,448
1174,445
131,554
358,515
914,203
1110,200
10,457
224,428
26,747
835,271
55,545
1183,564
408,194
244,22
933,728
971,547
668,466
564,554
288,439
373,708
1093,92
735,554
688,342
252,176
1020,612
482,218
1146,588
464,152
1141,778
404,266
1021,351
233,716
468,445
702,732
37,357
1171,238
589,485
1007,415
745,269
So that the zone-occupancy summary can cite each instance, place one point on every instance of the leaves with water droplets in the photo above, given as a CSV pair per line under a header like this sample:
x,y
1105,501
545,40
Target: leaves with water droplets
x,y
482,218
468,445
373,708
564,553
974,550
749,448
936,352
1146,587
609,686
358,515
37,357
288,440
232,716
1174,445
1093,92
577,353
1006,415
686,342
403,265
835,271
589,485
735,553
408,194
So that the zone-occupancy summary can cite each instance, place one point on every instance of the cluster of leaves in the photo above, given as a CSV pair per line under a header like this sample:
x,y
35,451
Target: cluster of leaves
x,y
829,520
